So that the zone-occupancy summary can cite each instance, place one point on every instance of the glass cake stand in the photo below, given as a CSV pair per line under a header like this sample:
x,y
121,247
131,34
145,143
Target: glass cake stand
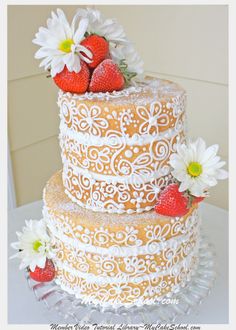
x,y
63,307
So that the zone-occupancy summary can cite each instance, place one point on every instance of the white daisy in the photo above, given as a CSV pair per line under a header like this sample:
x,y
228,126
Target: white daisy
x,y
108,28
196,167
60,43
34,245
131,58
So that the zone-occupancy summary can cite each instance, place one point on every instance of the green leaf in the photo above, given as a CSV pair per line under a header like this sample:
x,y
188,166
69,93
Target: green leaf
x,y
128,75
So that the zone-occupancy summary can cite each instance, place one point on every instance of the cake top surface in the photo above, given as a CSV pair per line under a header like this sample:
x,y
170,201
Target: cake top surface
x,y
142,91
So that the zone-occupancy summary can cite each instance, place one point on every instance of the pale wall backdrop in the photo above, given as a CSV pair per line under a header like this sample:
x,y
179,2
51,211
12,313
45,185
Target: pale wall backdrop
x,y
187,44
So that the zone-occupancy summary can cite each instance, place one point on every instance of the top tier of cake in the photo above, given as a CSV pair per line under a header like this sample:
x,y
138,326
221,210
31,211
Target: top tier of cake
x,y
116,146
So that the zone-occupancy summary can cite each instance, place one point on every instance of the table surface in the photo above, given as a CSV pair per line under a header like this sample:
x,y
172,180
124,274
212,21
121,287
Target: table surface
x,y
24,309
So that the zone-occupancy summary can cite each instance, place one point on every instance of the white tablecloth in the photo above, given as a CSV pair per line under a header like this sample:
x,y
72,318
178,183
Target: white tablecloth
x,y
23,307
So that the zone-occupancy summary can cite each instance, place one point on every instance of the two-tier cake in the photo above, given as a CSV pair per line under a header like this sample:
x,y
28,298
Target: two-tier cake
x,y
120,221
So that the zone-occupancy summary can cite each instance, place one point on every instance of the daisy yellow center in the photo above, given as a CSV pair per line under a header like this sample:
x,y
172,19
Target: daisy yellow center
x,y
194,169
36,245
65,45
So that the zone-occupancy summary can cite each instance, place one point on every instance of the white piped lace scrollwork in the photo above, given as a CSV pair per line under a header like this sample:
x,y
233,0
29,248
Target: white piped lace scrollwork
x,y
96,273
126,173
121,159
119,295
126,294
116,160
106,265
111,197
115,140
105,178
99,120
127,241
138,277
153,118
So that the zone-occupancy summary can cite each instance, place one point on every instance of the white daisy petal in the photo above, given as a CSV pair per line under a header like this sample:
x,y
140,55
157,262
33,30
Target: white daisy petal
x,y
67,28
56,61
197,168
80,13
219,164
196,191
54,16
77,65
46,62
200,147
179,165
43,52
211,181
175,160
58,43
84,50
23,265
186,184
209,153
179,175
41,262
15,245
32,266
183,154
55,69
198,187
84,58
79,35
35,232
212,162
54,72
221,174
69,61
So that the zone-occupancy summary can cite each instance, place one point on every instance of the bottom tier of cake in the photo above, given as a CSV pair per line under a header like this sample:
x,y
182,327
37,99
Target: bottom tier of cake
x,y
119,260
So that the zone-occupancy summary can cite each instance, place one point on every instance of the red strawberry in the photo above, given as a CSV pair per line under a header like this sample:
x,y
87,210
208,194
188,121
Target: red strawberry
x,y
171,202
106,77
73,82
45,274
98,46
197,200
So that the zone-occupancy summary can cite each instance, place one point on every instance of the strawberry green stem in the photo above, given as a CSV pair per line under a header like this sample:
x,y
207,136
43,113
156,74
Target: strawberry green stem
x,y
128,75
